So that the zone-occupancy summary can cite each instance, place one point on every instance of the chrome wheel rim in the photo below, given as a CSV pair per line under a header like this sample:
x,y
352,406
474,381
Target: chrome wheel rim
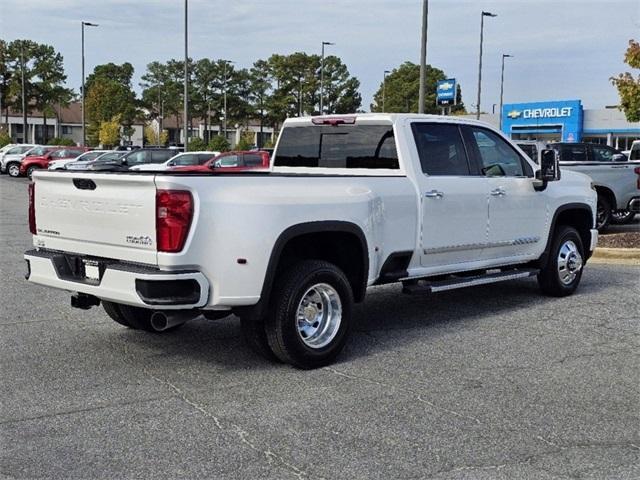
x,y
569,262
601,214
14,170
319,315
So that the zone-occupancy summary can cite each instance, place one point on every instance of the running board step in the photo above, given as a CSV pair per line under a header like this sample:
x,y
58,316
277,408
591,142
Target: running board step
x,y
426,286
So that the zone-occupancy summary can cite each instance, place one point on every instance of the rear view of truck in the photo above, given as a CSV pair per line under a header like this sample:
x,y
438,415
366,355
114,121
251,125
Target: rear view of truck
x,y
100,235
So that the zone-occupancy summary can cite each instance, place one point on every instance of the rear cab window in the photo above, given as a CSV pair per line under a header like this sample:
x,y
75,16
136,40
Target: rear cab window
x,y
358,146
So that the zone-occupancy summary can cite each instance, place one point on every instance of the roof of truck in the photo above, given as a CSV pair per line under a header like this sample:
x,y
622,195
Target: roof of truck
x,y
380,117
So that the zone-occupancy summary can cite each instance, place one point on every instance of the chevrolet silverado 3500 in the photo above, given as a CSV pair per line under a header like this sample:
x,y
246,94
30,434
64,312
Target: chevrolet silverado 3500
x,y
435,203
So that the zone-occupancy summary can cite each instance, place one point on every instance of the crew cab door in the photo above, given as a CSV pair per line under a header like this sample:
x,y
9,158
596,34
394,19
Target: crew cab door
x,y
518,214
454,201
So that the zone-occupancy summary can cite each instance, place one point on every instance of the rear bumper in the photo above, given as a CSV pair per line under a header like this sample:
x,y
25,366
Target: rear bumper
x,y
119,282
634,205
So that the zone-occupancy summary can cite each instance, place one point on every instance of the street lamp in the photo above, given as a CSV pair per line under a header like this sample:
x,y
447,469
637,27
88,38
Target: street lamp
x,y
384,88
322,78
423,56
224,93
186,77
84,135
484,14
504,55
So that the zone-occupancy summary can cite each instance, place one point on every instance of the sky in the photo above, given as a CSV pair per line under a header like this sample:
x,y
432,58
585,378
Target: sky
x,y
562,49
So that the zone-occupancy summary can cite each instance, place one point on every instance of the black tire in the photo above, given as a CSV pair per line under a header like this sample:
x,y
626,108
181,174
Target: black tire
x,y
30,171
254,333
114,312
603,212
549,278
282,324
140,319
622,217
13,169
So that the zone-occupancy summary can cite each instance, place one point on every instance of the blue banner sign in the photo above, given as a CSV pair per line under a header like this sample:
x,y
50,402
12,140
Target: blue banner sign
x,y
446,92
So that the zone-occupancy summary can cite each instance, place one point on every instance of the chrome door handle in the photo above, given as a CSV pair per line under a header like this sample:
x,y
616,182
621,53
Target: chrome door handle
x,y
620,166
498,192
434,194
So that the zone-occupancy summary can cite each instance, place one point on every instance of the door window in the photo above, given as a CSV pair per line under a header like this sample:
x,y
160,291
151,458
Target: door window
x,y
602,153
440,149
252,159
228,161
160,156
573,153
188,159
497,157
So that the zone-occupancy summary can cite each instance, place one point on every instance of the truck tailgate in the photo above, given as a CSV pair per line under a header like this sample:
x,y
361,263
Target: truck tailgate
x,y
103,215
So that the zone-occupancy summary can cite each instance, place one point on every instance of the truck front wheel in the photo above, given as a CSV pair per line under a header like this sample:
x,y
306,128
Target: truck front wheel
x,y
603,212
310,314
562,273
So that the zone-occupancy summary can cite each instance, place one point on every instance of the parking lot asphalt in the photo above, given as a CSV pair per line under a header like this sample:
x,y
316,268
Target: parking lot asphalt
x,y
496,382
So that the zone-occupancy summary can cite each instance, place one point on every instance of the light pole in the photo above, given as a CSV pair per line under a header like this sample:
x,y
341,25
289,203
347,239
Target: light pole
x,y
423,55
322,78
84,135
186,76
224,95
504,55
482,15
384,88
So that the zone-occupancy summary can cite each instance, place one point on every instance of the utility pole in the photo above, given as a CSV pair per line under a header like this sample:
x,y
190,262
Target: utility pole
x,y
186,76
423,55
482,15
224,94
84,134
24,96
322,78
384,89
504,55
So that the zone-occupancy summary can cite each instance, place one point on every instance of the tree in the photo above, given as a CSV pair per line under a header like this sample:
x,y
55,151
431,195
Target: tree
x,y
6,73
109,95
629,86
246,141
154,137
403,88
219,144
196,144
259,88
110,132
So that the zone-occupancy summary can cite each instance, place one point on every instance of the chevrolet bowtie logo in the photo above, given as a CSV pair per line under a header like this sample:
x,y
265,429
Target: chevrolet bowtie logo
x,y
446,86
514,114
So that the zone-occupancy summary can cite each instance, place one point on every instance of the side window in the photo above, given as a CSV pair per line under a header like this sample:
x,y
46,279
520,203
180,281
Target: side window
x,y
137,157
185,160
496,156
73,153
228,161
635,152
440,149
159,156
602,153
59,154
204,158
252,159
573,153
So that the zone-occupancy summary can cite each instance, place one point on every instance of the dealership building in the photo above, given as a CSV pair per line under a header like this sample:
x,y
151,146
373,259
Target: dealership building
x,y
566,121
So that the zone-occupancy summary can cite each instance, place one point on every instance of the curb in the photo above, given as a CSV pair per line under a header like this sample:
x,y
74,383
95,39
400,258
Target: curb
x,y
630,256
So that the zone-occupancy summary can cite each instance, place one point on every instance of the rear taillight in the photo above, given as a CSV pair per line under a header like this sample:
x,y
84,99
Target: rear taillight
x,y
174,211
637,170
32,208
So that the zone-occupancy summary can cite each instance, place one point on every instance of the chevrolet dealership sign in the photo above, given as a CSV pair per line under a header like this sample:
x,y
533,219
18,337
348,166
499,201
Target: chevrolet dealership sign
x,y
554,112
560,117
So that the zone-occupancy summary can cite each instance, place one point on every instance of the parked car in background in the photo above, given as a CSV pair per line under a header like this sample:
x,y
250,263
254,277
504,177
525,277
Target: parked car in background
x,y
81,163
179,160
139,156
85,157
13,156
614,176
7,147
634,152
33,163
231,162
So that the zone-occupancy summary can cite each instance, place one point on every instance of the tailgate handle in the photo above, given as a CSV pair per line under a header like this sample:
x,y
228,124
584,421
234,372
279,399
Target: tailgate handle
x,y
84,183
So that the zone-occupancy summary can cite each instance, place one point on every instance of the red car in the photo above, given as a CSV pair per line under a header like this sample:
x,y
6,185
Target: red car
x,y
29,164
231,162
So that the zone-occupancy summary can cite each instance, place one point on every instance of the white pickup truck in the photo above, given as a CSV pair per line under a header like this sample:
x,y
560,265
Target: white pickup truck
x,y
436,203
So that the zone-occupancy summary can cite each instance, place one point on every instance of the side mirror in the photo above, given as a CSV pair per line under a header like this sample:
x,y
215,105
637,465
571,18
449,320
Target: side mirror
x,y
619,157
549,166
171,164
